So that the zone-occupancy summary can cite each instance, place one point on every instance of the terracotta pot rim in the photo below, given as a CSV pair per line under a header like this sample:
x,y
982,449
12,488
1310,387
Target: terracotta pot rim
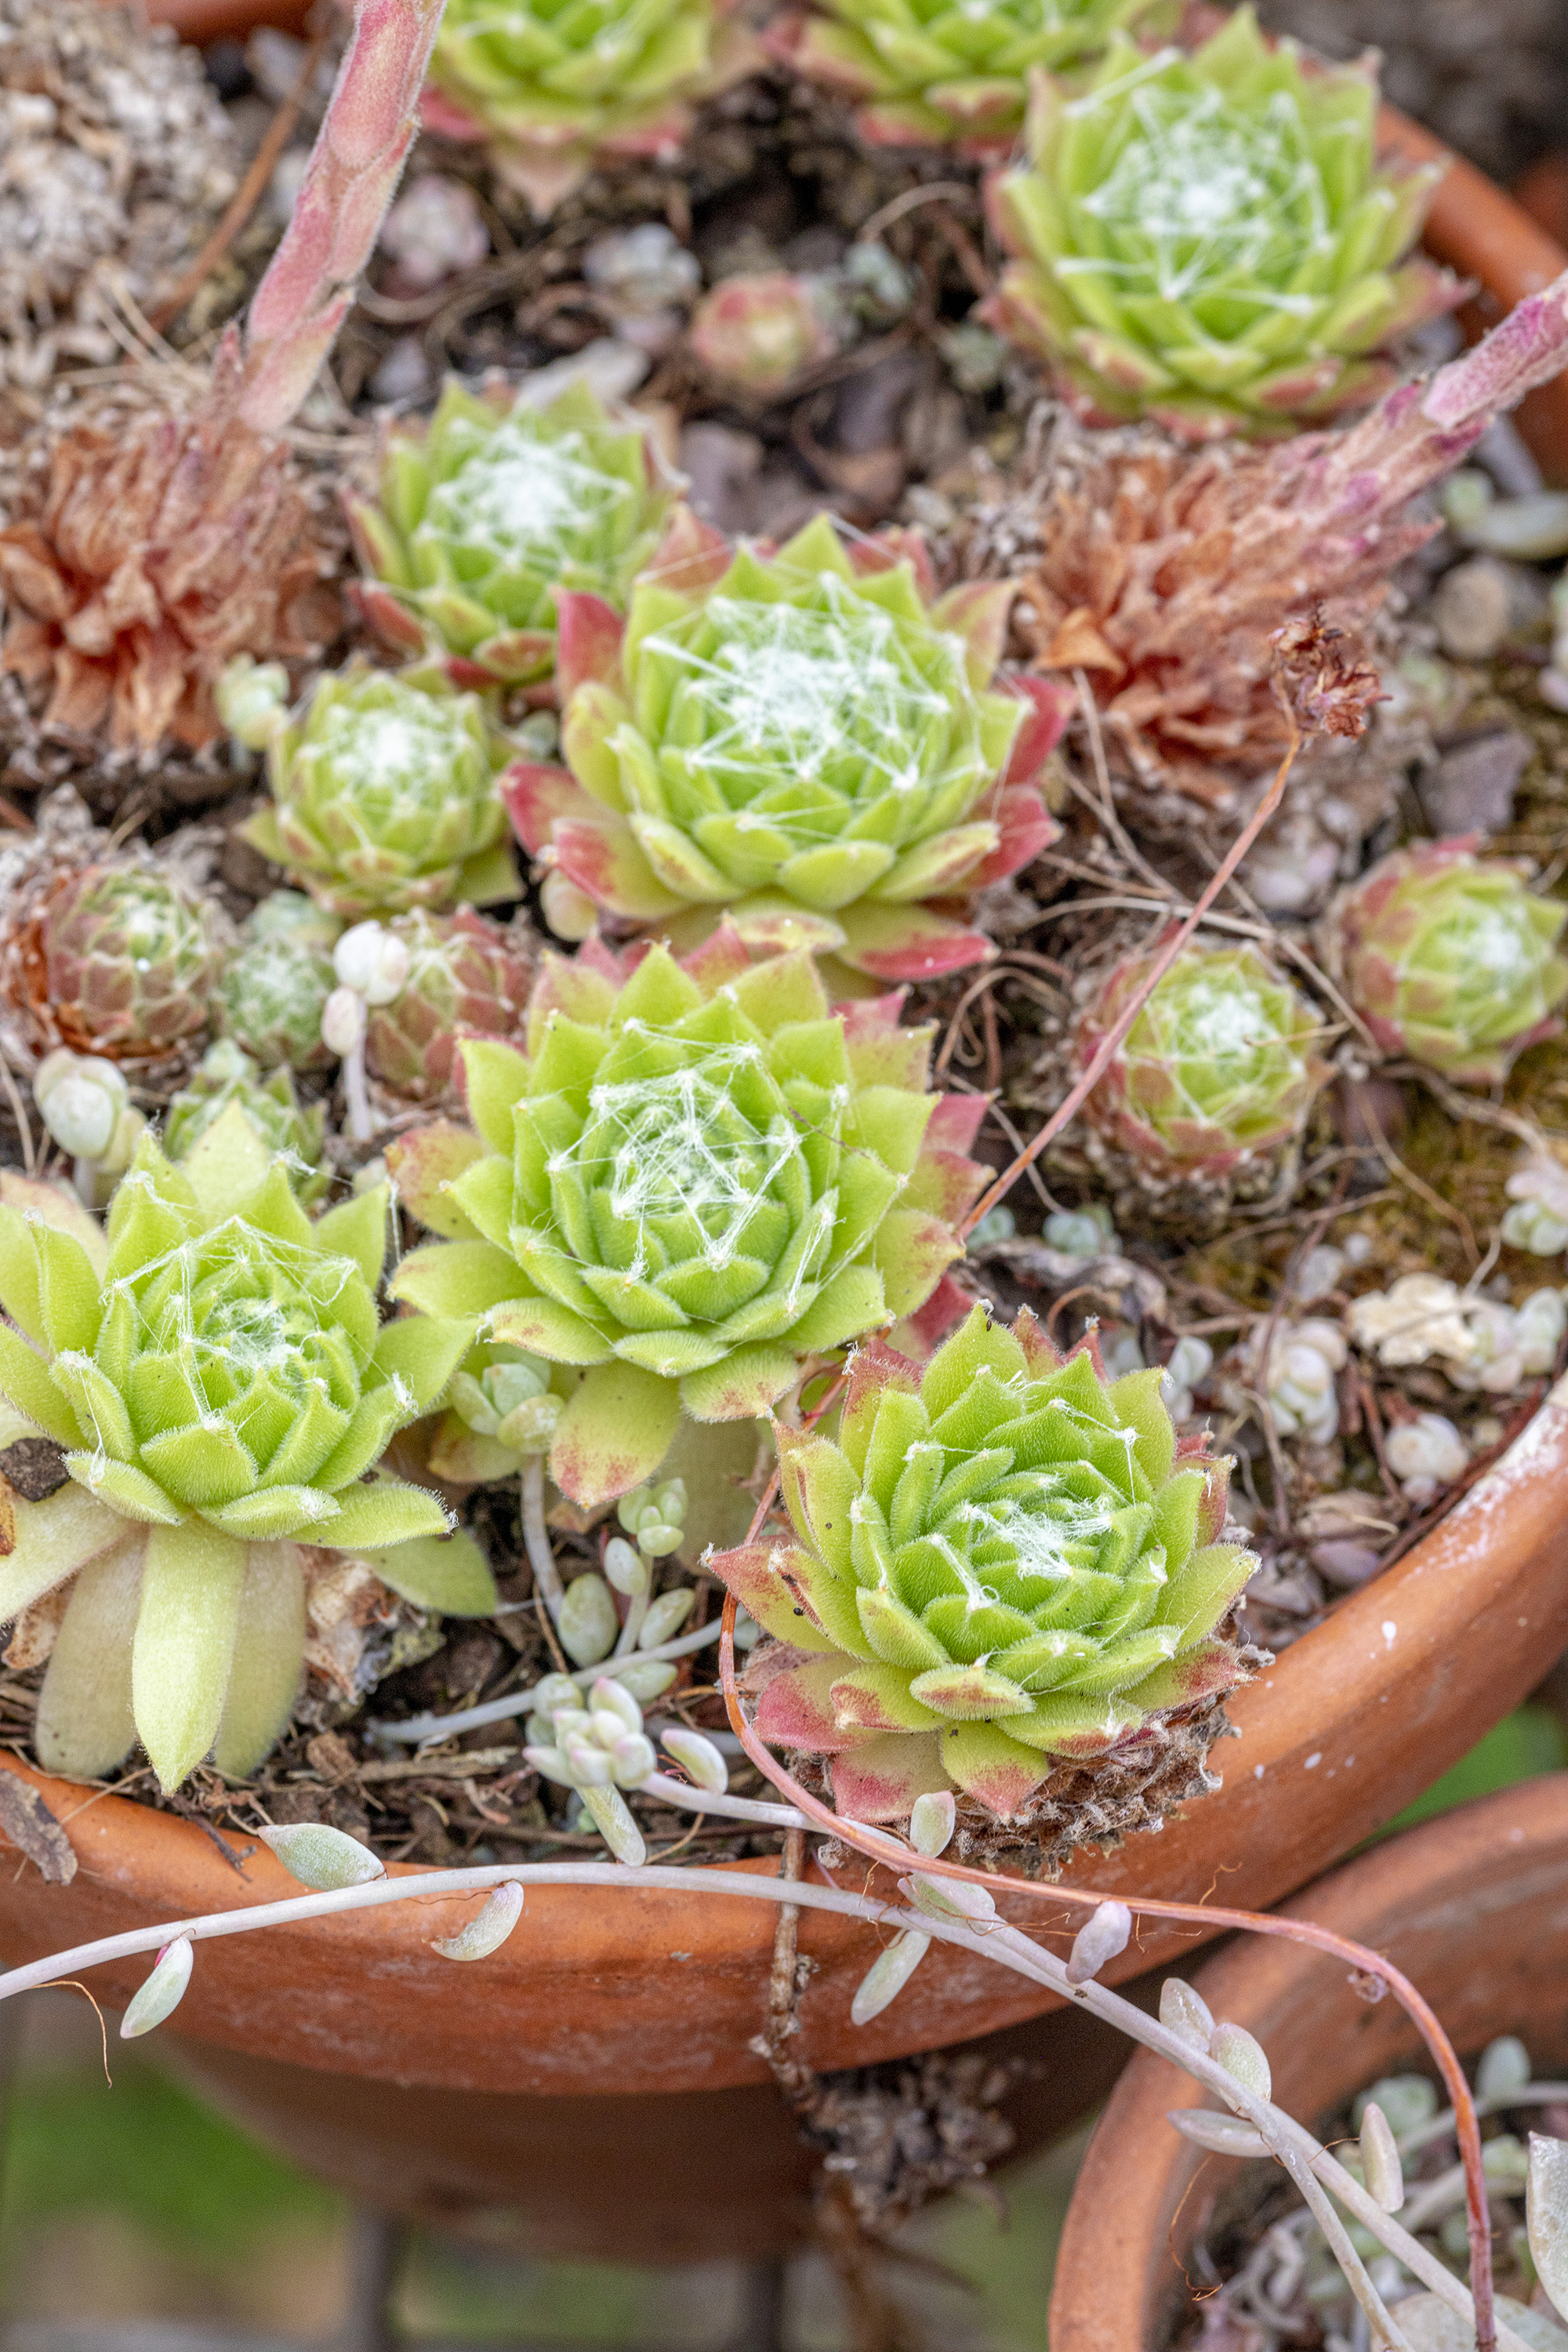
x,y
1438,1900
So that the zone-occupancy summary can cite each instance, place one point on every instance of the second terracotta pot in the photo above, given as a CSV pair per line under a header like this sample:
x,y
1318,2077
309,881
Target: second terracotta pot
x,y
1472,1907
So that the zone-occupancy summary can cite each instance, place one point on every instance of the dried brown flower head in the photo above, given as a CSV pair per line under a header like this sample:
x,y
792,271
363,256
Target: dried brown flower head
x,y
1320,678
149,543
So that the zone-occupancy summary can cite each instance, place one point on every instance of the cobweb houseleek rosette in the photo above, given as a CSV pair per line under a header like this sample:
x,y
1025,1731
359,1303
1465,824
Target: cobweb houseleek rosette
x,y
384,797
1451,958
485,510
1208,240
809,740
217,1372
924,73
554,89
1217,1069
1003,1562
695,1178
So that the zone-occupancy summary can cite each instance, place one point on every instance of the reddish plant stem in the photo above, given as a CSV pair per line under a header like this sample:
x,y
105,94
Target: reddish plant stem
x,y
1084,1086
894,1855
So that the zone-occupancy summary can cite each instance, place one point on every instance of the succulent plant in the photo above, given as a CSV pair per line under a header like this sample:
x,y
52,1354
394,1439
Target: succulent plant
x,y
272,993
555,90
1447,957
489,508
926,74
1002,1561
467,977
1206,240
805,741
119,959
226,1075
218,1378
503,1406
1217,1067
694,1179
384,798
759,333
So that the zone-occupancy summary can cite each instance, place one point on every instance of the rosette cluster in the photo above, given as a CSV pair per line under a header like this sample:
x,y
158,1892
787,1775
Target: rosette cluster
x,y
491,506
1004,1561
694,1179
120,961
218,1374
1449,958
925,74
1218,1067
552,89
810,741
384,798
1207,238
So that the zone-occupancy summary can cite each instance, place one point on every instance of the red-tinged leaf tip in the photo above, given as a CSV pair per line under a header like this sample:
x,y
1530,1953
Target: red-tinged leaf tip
x,y
956,1121
1050,705
881,1779
589,633
796,1709
444,117
536,796
721,958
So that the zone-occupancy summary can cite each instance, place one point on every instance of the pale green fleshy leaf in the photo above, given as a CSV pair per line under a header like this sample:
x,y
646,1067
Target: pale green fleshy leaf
x,y
269,1657
84,1726
191,1587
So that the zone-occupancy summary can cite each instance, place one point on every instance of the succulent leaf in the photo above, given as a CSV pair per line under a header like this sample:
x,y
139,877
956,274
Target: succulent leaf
x,y
690,1200
552,89
927,73
490,512
384,798
796,739
1217,1067
1449,958
223,1390
1205,238
228,1080
995,1565
121,961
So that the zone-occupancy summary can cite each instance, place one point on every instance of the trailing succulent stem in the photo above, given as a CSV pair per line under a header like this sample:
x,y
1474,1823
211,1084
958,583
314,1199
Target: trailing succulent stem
x,y
217,1373
1004,1561
694,1180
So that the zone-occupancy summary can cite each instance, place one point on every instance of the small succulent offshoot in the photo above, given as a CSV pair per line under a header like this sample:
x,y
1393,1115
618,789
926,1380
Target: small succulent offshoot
x,y
1451,958
554,91
694,1179
1207,240
489,508
466,978
273,991
810,741
758,333
1003,1561
384,797
217,1373
121,961
1217,1069
925,74
86,1106
225,1075
501,1409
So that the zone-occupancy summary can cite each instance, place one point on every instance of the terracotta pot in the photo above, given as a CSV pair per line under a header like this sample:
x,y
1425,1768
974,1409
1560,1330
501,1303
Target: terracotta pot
x,y
642,1993
683,2176
1472,1907
226,20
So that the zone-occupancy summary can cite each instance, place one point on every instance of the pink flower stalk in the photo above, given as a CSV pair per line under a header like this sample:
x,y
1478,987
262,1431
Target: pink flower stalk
x,y
349,181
